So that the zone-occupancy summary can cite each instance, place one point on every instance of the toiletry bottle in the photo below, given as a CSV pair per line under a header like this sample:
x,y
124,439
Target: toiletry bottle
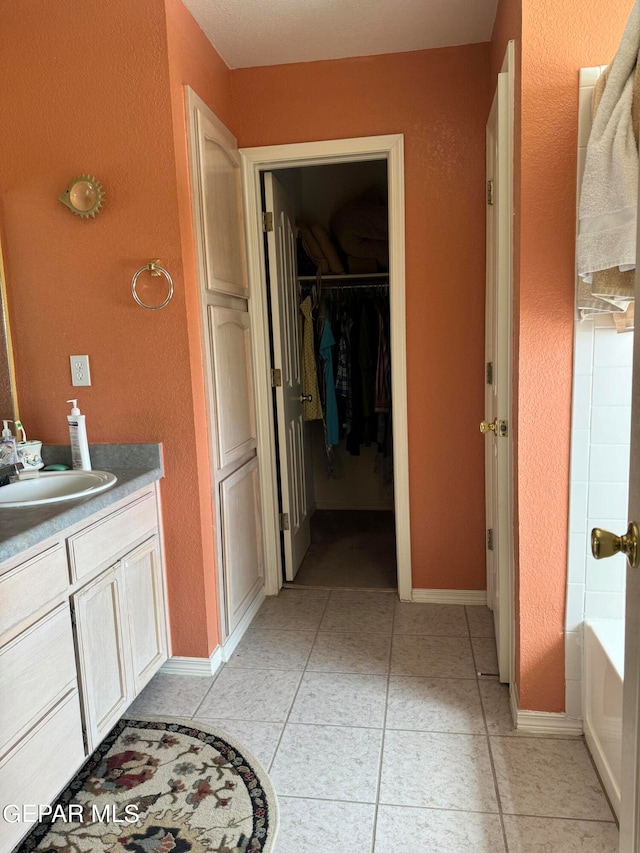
x,y
78,434
8,449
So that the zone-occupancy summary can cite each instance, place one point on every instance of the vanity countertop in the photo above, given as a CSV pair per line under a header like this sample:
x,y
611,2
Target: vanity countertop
x,y
135,466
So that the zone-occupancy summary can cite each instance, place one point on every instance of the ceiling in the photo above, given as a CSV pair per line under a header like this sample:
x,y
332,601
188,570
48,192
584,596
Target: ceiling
x,y
247,33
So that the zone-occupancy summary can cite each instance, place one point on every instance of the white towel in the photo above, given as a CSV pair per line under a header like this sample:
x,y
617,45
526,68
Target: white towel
x,y
609,197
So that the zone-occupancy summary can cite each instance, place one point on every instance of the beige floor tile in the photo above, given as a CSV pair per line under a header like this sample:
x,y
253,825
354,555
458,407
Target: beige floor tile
x,y
292,610
342,699
485,655
548,778
260,739
438,771
327,763
434,831
497,707
480,620
551,835
435,620
171,695
434,705
323,826
443,657
262,648
351,653
251,694
367,612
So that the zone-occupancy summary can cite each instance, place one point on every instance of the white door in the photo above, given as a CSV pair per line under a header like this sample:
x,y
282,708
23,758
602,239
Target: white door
x,y
287,352
226,341
497,375
630,787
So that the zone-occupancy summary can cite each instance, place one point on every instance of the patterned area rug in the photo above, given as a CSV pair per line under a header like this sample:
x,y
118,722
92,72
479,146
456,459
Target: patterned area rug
x,y
162,786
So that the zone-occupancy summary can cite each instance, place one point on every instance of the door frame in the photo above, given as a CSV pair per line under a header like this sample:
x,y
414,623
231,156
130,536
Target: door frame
x,y
503,264
272,158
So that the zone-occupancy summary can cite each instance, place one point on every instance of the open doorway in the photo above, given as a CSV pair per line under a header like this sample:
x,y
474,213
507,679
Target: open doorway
x,y
328,284
379,159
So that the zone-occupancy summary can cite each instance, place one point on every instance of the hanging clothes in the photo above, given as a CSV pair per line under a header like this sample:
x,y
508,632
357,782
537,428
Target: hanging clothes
x,y
327,343
312,409
383,369
366,362
343,378
353,372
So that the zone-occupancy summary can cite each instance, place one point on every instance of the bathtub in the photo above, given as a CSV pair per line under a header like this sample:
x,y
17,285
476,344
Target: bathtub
x,y
602,700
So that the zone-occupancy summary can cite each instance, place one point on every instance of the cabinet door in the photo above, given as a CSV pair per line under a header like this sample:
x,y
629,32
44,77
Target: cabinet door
x,y
102,638
230,338
241,540
142,574
220,191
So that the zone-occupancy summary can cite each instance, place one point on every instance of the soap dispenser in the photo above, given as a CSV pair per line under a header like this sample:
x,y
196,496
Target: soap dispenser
x,y
8,449
80,458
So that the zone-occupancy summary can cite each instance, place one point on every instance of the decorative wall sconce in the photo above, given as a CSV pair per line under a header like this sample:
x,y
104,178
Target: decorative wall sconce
x,y
84,196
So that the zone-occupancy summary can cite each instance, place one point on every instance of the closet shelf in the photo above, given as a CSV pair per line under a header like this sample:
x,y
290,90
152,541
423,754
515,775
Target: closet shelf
x,y
370,276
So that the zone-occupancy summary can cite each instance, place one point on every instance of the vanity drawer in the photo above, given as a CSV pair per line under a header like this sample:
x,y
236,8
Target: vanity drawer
x,y
103,543
40,665
31,585
41,765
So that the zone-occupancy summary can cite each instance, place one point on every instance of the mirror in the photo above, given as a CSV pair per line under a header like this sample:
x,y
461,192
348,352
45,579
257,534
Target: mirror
x,y
8,398
84,196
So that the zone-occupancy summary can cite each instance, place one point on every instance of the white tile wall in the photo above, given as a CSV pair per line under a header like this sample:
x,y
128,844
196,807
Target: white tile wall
x,y
601,424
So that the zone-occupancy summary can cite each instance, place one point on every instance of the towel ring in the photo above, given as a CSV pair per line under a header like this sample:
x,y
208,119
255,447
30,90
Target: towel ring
x,y
155,269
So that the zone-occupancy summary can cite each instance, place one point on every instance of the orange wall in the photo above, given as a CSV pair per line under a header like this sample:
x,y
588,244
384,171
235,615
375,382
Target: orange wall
x,y
439,100
90,91
557,40
194,62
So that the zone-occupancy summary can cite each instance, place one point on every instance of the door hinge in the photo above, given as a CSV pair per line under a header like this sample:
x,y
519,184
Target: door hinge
x,y
284,521
276,377
489,373
490,192
73,617
267,221
490,539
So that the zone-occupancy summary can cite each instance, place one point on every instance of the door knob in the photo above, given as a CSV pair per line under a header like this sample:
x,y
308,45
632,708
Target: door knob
x,y
306,398
605,544
485,426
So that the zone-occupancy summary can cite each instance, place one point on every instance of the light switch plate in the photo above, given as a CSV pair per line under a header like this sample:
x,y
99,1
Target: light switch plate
x,y
80,374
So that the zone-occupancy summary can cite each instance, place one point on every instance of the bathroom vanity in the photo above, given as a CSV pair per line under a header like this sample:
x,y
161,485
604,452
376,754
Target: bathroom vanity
x,y
82,631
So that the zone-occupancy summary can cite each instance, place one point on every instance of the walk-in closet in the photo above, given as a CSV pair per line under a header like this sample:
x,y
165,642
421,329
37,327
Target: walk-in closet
x,y
327,256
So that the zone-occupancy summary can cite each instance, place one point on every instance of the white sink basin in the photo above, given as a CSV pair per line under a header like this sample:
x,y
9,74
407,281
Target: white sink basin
x,y
53,486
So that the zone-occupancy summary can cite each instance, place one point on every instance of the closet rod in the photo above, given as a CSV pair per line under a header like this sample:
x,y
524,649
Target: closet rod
x,y
351,286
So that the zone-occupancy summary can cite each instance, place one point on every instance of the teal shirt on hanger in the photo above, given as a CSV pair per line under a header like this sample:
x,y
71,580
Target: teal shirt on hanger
x,y
327,343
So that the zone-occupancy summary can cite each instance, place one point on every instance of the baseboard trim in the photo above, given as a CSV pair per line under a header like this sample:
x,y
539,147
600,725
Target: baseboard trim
x,y
209,666
230,644
543,722
450,596
203,667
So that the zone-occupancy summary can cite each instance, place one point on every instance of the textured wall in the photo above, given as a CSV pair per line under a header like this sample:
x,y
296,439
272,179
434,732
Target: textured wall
x,y
557,40
90,92
439,99
194,62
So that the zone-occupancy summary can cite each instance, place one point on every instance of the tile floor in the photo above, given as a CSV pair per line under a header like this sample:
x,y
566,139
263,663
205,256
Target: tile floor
x,y
350,548
379,736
